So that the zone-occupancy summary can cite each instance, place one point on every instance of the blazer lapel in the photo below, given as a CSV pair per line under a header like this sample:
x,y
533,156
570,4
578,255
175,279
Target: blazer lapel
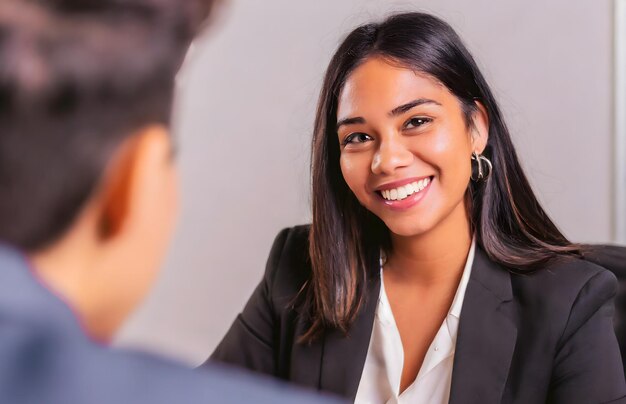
x,y
486,336
343,357
305,361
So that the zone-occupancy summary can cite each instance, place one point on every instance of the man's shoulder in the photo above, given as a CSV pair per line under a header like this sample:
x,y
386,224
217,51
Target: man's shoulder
x,y
45,356
44,365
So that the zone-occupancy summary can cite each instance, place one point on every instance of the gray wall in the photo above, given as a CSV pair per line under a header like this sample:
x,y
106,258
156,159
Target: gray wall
x,y
244,119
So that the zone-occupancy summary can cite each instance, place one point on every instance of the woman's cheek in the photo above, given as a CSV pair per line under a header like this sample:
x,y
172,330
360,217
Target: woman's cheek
x,y
347,170
355,172
444,144
448,152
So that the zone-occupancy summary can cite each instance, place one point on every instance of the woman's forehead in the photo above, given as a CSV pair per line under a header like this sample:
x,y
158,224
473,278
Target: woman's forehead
x,y
378,85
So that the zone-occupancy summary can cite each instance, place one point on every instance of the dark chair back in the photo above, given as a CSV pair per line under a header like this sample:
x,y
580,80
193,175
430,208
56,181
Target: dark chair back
x,y
613,258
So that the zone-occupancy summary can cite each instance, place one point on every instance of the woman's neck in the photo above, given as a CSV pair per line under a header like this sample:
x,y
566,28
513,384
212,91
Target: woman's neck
x,y
435,257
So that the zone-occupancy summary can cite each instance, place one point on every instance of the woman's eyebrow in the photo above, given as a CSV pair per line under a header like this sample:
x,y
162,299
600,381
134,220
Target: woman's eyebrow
x,y
396,111
405,107
350,121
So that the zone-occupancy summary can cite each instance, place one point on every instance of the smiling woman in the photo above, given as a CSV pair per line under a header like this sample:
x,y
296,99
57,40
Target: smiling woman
x,y
430,272
399,151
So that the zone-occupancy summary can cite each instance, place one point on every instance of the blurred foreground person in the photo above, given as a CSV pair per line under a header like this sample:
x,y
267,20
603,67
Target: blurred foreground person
x,y
88,199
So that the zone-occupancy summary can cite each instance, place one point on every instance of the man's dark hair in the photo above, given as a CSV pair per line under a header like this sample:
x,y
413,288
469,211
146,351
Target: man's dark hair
x,y
77,77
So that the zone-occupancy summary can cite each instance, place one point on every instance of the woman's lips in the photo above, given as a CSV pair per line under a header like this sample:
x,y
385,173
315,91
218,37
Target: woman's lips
x,y
404,194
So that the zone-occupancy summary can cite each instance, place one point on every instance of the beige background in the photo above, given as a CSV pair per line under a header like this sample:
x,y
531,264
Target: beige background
x,y
244,119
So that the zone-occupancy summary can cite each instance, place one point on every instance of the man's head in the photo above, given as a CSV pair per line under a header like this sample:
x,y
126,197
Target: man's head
x,y
87,182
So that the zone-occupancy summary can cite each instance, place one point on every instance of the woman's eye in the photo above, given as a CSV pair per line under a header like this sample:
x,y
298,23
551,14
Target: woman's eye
x,y
356,138
416,122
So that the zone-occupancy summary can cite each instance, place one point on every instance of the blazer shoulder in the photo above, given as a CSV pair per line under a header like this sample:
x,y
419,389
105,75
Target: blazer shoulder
x,y
288,266
567,291
296,239
290,249
565,278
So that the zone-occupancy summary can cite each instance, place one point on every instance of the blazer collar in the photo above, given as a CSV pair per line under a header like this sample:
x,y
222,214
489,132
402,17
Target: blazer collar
x,y
485,341
486,337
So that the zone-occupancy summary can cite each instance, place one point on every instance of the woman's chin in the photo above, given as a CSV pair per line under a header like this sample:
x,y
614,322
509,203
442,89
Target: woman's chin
x,y
407,229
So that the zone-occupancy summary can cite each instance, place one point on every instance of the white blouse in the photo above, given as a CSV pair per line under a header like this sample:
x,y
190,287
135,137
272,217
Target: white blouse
x,y
380,380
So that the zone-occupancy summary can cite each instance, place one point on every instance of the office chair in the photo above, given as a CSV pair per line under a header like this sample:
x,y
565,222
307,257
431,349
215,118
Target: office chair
x,y
613,258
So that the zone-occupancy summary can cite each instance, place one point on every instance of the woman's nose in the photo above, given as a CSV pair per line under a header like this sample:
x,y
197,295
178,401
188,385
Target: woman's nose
x,y
391,155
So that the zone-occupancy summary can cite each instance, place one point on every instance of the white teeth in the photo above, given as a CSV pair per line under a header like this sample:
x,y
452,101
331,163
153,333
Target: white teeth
x,y
402,192
405,191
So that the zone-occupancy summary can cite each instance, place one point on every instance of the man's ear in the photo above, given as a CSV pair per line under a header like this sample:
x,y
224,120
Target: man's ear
x,y
480,128
128,177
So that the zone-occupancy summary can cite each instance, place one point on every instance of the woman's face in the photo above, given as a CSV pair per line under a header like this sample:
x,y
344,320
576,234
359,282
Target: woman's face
x,y
405,146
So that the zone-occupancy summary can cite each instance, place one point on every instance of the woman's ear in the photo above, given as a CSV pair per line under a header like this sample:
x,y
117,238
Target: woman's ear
x,y
130,172
480,128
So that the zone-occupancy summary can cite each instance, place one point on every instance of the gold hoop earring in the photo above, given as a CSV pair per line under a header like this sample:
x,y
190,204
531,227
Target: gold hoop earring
x,y
481,167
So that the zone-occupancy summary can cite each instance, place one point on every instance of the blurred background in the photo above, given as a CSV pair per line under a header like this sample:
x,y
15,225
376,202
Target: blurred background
x,y
244,117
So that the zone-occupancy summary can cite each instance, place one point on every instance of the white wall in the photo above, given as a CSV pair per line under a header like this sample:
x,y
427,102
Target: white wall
x,y
245,115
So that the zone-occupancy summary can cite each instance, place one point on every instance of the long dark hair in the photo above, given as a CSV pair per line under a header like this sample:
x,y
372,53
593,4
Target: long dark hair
x,y
509,223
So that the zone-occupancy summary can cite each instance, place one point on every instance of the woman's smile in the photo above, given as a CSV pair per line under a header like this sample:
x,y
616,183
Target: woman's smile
x,y
404,194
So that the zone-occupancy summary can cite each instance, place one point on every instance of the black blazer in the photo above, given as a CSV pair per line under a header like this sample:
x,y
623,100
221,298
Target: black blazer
x,y
546,337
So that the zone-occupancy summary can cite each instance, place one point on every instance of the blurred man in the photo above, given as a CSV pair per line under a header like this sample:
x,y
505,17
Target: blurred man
x,y
88,199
